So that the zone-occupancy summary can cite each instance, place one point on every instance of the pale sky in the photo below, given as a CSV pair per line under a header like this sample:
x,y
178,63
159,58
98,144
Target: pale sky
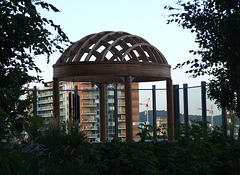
x,y
147,19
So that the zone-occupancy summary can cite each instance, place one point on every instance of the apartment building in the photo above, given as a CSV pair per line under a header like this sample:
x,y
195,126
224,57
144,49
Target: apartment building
x,y
88,106
45,102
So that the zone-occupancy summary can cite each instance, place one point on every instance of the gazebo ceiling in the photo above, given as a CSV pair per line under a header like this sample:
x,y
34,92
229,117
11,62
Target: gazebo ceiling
x,y
106,56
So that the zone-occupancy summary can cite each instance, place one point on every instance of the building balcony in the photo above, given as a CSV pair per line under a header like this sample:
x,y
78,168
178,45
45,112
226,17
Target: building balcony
x,y
62,106
121,135
46,108
45,94
62,92
84,120
88,89
88,105
63,114
121,127
45,101
92,136
89,112
62,99
121,119
121,96
121,112
121,104
46,115
90,128
89,97
121,88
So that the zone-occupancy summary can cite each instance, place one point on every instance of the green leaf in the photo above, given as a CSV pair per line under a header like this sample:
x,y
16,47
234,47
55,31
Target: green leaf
x,y
27,128
37,120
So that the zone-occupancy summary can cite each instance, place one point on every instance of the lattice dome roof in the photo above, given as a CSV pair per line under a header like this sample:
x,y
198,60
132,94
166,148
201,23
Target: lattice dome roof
x,y
105,56
112,46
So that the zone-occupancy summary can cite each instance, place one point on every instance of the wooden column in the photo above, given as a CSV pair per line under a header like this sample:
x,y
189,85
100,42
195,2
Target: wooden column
x,y
56,106
128,108
116,109
102,112
170,120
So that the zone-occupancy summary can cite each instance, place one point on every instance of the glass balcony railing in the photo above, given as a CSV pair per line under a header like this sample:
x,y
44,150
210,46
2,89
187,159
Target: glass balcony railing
x,y
121,135
45,115
89,120
92,136
45,101
89,112
90,128
88,104
89,96
121,119
121,127
121,112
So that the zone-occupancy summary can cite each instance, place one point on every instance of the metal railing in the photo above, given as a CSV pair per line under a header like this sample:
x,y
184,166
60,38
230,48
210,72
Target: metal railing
x,y
190,103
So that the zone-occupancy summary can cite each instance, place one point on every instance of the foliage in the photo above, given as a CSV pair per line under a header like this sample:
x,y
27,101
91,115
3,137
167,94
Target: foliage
x,y
145,132
24,34
197,151
216,24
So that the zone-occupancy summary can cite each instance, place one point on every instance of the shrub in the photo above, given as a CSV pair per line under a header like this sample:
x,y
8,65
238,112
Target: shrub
x,y
197,151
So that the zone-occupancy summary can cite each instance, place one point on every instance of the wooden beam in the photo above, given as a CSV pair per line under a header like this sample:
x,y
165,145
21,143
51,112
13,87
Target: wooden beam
x,y
170,120
102,112
56,106
103,72
128,105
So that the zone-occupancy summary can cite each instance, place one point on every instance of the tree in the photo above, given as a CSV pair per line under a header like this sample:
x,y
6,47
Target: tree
x,y
216,24
24,34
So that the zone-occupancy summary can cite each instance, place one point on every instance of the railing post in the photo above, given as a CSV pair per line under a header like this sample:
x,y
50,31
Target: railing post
x,y
56,107
116,110
170,122
185,102
70,105
102,112
176,110
76,102
204,103
78,109
154,110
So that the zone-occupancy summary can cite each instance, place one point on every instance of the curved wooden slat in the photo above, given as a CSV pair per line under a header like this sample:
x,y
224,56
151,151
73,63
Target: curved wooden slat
x,y
142,56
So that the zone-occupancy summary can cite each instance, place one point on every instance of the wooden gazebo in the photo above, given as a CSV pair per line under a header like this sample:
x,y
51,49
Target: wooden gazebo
x,y
112,57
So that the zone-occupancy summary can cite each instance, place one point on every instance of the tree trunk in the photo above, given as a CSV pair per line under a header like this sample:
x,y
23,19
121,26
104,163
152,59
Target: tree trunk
x,y
237,80
238,99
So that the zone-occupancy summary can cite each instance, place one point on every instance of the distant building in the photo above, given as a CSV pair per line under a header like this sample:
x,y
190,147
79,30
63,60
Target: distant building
x,y
89,107
162,125
45,102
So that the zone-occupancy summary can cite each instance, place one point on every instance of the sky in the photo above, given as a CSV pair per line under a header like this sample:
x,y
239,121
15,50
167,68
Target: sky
x,y
147,19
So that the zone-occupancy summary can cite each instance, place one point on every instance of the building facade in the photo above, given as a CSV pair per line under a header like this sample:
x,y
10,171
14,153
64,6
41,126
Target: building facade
x,y
86,97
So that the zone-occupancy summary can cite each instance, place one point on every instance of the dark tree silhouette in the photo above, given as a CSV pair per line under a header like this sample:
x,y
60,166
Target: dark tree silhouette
x,y
216,24
24,34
